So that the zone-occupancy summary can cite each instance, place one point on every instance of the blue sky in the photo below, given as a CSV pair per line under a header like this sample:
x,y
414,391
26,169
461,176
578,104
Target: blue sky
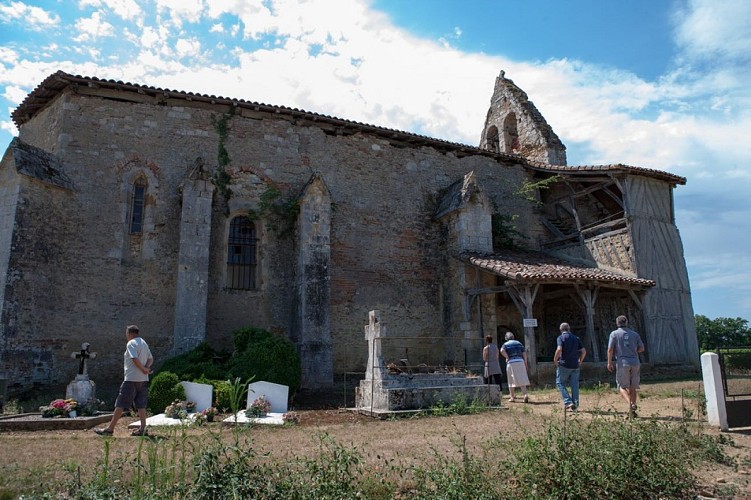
x,y
656,84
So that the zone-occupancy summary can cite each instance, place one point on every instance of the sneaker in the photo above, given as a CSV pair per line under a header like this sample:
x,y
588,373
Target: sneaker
x,y
138,432
103,432
633,407
511,400
526,398
570,406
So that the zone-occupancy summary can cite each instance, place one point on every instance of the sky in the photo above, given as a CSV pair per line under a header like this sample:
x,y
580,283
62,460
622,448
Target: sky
x,y
656,84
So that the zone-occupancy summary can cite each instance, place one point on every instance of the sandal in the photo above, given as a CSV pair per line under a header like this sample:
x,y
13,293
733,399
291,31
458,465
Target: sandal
x,y
138,432
103,432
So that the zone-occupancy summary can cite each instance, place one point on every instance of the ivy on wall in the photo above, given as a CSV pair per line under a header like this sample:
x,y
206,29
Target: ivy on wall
x,y
221,178
279,212
505,233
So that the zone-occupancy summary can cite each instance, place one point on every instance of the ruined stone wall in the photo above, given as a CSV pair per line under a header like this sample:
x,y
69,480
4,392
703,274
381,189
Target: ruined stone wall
x,y
9,191
34,332
387,253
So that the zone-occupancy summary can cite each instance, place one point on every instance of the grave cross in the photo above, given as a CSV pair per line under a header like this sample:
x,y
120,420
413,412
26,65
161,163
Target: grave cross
x,y
373,333
83,356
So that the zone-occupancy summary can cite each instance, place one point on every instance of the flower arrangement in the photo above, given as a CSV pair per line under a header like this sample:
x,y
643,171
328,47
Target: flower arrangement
x,y
60,408
291,417
259,408
180,409
90,407
209,413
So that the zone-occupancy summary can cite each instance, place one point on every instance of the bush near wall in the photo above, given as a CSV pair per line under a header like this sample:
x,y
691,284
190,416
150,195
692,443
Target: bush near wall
x,y
258,354
164,388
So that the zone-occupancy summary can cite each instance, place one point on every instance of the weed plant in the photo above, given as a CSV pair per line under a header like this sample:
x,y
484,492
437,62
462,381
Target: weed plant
x,y
459,406
569,458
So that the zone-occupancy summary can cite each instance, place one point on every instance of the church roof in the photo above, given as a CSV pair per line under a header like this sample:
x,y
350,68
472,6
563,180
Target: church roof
x,y
612,168
536,267
57,82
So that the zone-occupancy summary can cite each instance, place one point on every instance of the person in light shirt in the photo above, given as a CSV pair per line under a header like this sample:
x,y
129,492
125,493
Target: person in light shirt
x,y
626,345
516,367
135,387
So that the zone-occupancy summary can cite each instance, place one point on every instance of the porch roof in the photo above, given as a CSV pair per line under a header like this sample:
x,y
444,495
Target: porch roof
x,y
536,267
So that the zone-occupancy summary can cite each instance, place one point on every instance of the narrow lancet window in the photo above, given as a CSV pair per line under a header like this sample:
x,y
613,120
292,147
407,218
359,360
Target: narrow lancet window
x,y
137,201
241,254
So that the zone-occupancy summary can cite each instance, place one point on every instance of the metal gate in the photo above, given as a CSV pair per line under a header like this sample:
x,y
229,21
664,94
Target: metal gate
x,y
735,367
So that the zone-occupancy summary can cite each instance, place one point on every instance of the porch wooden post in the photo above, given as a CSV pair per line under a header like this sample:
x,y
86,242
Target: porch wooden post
x,y
589,297
524,300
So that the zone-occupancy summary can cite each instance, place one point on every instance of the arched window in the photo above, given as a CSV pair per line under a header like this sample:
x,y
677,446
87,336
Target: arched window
x,y
241,254
491,140
510,135
137,201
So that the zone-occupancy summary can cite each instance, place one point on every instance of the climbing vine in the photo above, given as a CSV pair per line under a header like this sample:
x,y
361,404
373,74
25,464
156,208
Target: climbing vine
x,y
280,213
221,178
504,228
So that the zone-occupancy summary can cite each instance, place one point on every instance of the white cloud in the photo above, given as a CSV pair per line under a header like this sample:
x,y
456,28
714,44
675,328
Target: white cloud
x,y
14,94
711,29
178,11
8,56
125,9
188,47
93,27
347,60
34,18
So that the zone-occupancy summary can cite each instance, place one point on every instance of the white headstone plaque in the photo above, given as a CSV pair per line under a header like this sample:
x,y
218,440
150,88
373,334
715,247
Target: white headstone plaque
x,y
277,395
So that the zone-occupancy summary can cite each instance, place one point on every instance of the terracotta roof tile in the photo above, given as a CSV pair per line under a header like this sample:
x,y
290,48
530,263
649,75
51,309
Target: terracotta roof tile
x,y
618,167
536,267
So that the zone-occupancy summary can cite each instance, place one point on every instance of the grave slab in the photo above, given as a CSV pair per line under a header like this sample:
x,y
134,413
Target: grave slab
x,y
200,394
272,418
162,419
277,395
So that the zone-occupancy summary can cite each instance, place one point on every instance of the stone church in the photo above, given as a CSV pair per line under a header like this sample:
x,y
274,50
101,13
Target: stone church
x,y
193,215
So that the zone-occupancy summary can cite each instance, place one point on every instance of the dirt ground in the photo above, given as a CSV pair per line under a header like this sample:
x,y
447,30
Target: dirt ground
x,y
410,439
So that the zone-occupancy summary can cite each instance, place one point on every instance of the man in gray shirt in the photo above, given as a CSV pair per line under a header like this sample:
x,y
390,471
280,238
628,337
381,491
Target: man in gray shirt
x,y
626,345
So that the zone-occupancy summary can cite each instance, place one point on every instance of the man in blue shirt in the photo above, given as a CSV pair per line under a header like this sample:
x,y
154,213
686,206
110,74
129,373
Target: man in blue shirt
x,y
626,345
569,355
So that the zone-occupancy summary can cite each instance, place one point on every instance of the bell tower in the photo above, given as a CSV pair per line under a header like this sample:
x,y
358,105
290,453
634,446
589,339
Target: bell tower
x,y
514,126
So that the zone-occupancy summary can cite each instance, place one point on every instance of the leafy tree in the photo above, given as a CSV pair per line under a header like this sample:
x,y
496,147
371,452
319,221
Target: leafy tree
x,y
722,332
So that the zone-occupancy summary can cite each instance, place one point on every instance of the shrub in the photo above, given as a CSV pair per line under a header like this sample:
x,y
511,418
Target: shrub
x,y
268,357
258,355
163,390
201,362
244,337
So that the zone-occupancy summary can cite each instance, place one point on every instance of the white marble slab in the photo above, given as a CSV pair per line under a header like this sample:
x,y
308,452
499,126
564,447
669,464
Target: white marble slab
x,y
162,419
200,394
277,395
272,418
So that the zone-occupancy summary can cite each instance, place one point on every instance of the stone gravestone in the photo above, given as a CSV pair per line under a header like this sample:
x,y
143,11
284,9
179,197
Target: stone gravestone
x,y
81,388
200,394
277,395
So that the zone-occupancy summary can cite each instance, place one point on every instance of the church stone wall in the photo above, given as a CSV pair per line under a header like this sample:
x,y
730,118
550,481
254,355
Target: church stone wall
x,y
386,251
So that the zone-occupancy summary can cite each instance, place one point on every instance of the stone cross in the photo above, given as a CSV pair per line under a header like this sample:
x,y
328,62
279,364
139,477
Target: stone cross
x,y
373,333
83,356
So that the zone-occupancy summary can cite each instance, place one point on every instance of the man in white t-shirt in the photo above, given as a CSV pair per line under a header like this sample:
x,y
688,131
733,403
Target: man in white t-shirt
x,y
135,386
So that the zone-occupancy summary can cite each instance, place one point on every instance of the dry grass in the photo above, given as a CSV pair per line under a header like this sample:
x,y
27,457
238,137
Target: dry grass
x,y
31,458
